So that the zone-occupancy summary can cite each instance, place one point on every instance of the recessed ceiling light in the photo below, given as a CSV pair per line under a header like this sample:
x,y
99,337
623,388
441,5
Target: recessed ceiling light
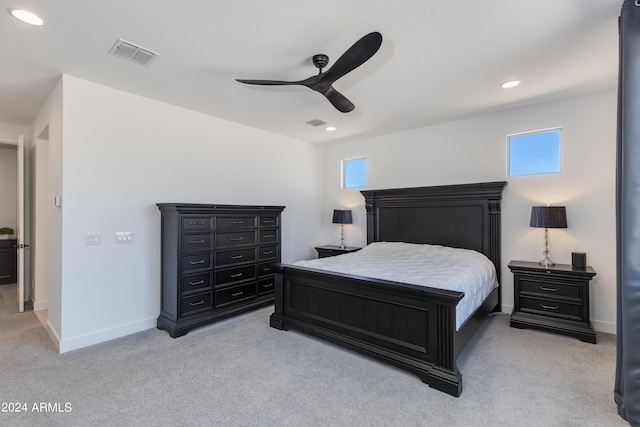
x,y
331,128
26,16
510,84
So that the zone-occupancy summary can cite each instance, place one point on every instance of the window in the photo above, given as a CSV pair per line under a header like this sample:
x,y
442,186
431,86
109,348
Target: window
x,y
354,173
534,153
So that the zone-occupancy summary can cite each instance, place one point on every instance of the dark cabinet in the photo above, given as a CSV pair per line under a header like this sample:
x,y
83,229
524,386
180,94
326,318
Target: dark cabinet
x,y
553,298
333,250
216,262
8,261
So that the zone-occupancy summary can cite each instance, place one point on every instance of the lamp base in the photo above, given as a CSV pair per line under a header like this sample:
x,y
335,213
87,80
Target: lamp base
x,y
547,263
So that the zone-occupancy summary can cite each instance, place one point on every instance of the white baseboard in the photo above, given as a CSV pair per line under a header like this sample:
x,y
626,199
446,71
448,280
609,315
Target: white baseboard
x,y
70,344
40,305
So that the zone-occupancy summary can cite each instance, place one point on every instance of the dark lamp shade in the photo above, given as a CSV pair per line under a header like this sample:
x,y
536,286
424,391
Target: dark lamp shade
x,y
341,216
548,217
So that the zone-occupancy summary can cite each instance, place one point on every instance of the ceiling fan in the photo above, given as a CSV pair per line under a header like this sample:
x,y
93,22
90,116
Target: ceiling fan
x,y
354,57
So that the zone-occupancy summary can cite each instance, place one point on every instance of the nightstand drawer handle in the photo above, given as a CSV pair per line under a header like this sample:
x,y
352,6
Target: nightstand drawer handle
x,y
4,277
200,282
195,242
237,222
193,304
549,307
549,289
197,223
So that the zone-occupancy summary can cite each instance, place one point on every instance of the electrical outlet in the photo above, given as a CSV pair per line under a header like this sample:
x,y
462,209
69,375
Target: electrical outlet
x,y
92,239
124,236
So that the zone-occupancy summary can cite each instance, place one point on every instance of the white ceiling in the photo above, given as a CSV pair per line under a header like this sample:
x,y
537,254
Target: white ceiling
x,y
440,59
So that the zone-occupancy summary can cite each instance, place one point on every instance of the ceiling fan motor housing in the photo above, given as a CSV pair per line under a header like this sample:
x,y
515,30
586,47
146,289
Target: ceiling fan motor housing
x,y
320,61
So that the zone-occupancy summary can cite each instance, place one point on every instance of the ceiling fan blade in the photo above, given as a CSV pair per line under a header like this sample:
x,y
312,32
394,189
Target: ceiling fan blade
x,y
267,82
339,100
354,57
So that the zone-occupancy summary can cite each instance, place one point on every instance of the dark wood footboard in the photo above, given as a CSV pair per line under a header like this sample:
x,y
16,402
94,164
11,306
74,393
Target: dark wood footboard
x,y
413,327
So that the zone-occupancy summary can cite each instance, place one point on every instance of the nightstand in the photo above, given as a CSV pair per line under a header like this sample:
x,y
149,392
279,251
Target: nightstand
x,y
333,250
554,299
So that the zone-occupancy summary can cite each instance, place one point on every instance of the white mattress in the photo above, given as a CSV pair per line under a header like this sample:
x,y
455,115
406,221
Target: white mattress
x,y
435,266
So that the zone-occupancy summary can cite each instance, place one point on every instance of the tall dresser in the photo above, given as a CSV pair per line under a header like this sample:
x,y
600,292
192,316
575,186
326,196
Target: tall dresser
x,y
216,262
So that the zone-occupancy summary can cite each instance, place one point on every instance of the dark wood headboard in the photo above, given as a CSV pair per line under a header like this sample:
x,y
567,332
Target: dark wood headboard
x,y
461,216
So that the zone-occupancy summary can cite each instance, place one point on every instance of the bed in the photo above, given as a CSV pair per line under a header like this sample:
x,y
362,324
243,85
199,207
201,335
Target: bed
x,y
413,327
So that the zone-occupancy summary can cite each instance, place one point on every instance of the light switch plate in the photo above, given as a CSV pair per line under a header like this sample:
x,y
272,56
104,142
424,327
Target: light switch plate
x,y
124,236
92,239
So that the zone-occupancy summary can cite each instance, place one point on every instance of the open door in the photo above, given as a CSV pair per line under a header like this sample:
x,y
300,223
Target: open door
x,y
21,232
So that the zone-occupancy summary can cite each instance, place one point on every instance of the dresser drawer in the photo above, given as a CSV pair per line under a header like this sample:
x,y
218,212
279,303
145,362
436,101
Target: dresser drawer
x,y
266,285
196,223
550,288
551,307
267,252
235,293
196,262
196,242
235,222
195,282
268,221
268,236
265,268
235,239
231,275
196,303
234,257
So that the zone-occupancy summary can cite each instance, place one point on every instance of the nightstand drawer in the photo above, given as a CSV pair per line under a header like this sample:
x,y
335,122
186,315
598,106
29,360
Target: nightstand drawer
x,y
551,308
550,288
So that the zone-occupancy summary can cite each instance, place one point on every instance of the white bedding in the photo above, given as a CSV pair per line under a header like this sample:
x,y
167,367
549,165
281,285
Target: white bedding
x,y
427,265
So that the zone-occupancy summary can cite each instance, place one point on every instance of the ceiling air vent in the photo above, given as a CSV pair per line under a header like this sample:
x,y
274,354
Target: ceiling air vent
x,y
316,122
133,53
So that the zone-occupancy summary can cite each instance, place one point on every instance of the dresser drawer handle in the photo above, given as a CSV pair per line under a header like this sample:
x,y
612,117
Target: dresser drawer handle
x,y
268,221
237,222
549,289
235,239
237,294
200,282
236,275
196,262
4,277
197,223
195,242
236,257
267,252
193,304
266,269
270,285
549,307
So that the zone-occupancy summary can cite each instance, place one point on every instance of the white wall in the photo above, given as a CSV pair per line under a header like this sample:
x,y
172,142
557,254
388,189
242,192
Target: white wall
x,y
474,150
121,155
9,134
